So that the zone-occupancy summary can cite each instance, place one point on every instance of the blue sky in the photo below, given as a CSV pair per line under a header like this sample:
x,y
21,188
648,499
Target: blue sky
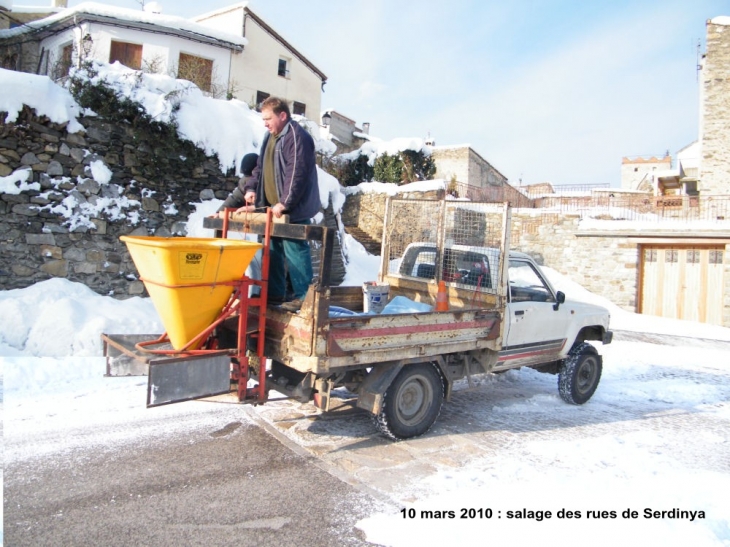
x,y
554,91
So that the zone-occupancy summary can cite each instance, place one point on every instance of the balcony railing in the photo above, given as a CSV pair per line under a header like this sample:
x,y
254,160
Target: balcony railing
x,y
606,206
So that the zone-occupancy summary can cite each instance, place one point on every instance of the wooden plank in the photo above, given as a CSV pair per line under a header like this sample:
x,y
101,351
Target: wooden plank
x,y
311,232
715,284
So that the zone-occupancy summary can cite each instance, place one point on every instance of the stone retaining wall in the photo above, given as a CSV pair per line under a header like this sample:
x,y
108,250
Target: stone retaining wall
x,y
82,191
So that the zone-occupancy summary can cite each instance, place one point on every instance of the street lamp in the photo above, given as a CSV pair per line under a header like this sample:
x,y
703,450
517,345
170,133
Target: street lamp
x,y
326,119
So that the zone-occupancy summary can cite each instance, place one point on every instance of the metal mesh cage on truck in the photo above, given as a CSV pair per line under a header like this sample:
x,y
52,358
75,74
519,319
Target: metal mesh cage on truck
x,y
461,243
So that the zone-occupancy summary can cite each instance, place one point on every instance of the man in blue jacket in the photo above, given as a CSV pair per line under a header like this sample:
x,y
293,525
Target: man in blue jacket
x,y
285,179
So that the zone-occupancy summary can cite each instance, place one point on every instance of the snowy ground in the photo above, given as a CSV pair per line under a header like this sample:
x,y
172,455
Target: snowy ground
x,y
655,436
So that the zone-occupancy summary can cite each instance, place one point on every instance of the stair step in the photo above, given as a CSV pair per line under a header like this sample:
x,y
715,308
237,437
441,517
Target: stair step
x,y
371,245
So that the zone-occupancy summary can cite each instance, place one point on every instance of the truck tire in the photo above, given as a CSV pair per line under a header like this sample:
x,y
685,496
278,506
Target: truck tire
x,y
412,402
579,374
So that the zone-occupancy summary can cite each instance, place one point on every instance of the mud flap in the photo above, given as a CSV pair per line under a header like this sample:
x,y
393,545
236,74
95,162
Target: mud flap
x,y
177,380
376,383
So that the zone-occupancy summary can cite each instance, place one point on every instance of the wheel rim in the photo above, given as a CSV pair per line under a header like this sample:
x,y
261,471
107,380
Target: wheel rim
x,y
586,376
413,400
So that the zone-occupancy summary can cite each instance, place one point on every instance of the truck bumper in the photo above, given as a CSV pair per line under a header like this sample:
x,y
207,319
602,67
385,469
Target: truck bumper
x,y
607,337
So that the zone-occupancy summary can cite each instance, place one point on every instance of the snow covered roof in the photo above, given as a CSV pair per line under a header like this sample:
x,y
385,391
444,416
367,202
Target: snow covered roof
x,y
123,17
220,11
720,20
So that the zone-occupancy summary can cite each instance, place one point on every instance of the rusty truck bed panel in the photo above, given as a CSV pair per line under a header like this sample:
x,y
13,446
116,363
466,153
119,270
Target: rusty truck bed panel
x,y
311,341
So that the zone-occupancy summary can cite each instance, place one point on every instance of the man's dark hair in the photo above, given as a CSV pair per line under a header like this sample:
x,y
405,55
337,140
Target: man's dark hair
x,y
276,105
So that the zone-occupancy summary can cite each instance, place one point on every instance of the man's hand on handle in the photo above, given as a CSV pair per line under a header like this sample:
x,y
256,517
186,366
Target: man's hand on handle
x,y
278,210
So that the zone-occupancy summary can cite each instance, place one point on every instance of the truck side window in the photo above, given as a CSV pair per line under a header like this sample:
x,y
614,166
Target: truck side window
x,y
525,284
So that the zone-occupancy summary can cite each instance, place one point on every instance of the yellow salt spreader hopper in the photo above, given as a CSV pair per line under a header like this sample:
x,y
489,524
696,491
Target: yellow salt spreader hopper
x,y
189,279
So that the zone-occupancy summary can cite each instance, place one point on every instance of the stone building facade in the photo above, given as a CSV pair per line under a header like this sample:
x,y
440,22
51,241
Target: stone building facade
x,y
468,175
715,109
464,165
640,173
344,132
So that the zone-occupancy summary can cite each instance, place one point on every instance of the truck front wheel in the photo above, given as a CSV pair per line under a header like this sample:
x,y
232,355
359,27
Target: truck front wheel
x,y
412,402
579,374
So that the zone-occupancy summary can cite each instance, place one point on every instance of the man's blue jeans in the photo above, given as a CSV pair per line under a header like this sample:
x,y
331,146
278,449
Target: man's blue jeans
x,y
290,255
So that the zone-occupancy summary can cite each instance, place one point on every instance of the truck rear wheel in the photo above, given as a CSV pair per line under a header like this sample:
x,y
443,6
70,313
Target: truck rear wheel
x,y
579,374
412,402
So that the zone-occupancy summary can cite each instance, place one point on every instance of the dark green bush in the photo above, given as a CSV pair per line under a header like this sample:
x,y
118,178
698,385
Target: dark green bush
x,y
401,168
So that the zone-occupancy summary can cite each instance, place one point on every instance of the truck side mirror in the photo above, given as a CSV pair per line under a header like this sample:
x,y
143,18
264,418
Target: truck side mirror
x,y
559,299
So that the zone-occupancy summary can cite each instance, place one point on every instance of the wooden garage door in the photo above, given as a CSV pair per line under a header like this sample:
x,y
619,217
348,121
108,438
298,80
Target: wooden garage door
x,y
683,282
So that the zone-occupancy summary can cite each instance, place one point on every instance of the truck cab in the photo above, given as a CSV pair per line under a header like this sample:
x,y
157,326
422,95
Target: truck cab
x,y
541,325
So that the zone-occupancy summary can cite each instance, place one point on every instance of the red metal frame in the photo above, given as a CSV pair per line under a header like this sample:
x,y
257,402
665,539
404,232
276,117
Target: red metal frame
x,y
239,302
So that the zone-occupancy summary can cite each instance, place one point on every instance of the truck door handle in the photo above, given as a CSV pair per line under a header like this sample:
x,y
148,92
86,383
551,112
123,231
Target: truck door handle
x,y
520,312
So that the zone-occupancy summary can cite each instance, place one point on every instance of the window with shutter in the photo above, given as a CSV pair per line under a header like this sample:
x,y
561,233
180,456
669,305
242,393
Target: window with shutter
x,y
130,55
196,70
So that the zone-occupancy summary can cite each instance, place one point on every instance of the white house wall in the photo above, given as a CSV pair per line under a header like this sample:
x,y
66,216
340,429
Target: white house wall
x,y
256,69
227,19
157,49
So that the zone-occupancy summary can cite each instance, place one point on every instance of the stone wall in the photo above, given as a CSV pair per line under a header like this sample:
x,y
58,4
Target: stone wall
x,y
365,210
715,105
82,191
466,166
604,265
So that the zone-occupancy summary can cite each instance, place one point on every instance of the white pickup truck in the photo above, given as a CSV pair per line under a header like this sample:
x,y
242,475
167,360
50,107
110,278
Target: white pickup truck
x,y
542,329
500,313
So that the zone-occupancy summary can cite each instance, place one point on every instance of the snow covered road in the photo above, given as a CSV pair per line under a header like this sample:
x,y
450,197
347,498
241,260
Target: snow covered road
x,y
505,452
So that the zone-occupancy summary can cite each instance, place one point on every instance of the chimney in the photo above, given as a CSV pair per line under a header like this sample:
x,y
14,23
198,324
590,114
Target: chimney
x,y
366,128
59,3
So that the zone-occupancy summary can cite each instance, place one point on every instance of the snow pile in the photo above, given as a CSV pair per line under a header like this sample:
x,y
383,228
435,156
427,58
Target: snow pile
x,y
226,129
377,147
39,93
322,145
392,189
61,318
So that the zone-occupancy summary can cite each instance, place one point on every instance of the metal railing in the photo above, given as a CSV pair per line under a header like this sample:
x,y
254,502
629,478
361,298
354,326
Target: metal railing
x,y
542,190
604,205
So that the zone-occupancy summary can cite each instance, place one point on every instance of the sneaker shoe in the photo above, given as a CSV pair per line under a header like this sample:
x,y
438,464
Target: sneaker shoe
x,y
293,305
